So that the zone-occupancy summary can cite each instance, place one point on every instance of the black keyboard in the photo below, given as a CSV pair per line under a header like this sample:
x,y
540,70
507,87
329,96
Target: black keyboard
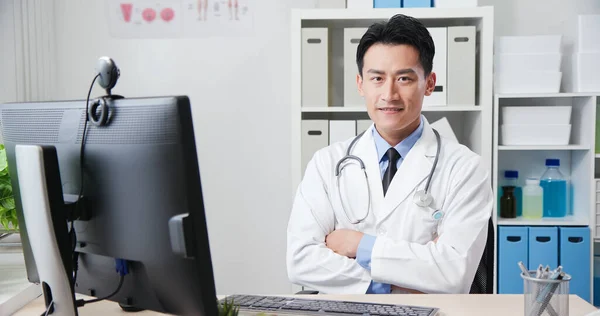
x,y
302,306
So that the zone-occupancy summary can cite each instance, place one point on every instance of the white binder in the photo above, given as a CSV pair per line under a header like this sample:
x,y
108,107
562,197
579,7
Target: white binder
x,y
341,130
461,65
359,4
351,39
315,79
331,4
438,97
315,135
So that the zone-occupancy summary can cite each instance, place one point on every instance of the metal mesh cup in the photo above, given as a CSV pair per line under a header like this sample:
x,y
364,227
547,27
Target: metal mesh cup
x,y
546,297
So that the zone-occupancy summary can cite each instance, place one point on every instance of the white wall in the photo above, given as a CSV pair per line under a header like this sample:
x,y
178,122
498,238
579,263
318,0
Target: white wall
x,y
240,89
8,76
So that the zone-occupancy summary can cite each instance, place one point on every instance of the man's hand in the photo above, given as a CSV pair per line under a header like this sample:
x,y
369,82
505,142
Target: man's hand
x,y
344,242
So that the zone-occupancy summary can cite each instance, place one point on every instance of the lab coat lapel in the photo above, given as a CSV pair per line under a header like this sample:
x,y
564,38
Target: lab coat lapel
x,y
415,168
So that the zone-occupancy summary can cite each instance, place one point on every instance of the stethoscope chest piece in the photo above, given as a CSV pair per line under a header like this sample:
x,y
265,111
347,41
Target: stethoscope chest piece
x,y
422,199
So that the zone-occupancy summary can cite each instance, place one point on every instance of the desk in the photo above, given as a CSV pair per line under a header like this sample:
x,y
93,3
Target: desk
x,y
450,305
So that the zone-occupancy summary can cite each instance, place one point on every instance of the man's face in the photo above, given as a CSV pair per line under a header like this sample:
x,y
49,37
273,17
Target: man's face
x,y
393,85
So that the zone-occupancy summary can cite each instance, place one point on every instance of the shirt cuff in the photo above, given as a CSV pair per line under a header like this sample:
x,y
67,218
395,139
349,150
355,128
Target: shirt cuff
x,y
365,248
379,288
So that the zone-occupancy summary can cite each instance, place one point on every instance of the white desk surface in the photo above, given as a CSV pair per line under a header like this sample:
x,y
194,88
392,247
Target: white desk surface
x,y
450,305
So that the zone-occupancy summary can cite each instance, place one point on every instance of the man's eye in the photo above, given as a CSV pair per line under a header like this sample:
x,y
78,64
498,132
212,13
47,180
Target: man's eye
x,y
404,79
377,79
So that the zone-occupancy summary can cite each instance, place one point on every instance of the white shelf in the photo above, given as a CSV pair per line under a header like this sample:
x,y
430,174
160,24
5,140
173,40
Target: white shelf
x,y
378,13
357,109
547,95
545,221
597,155
545,147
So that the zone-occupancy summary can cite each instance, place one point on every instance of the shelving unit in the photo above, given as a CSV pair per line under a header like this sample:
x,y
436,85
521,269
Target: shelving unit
x,y
471,123
577,159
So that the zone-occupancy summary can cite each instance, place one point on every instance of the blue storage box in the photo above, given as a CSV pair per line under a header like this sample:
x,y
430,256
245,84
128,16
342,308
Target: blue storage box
x,y
575,259
387,3
417,3
543,247
512,248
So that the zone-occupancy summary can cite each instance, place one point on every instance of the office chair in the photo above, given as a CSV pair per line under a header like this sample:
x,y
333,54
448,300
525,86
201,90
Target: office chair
x,y
483,283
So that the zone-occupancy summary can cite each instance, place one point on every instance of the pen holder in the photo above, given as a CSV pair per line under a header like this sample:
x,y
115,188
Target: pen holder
x,y
546,297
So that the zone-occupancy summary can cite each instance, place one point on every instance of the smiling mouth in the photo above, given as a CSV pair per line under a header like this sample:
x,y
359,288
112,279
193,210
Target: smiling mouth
x,y
391,109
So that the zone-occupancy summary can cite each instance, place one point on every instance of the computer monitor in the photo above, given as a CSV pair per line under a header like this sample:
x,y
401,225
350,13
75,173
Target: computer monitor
x,y
140,171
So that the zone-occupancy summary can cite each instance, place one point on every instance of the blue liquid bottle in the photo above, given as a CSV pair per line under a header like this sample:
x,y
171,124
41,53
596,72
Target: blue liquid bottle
x,y
511,178
555,190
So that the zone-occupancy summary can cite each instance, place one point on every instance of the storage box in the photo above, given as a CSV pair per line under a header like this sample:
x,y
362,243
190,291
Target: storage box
x,y
512,248
461,65
543,247
387,3
527,82
439,95
359,4
586,67
331,4
315,72
575,259
528,44
533,115
455,3
352,37
315,135
588,29
416,3
527,134
533,62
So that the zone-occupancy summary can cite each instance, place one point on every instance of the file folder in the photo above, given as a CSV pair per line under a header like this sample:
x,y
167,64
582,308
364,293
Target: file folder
x,y
417,4
387,3
341,130
461,65
359,4
352,37
315,79
438,97
362,125
512,248
543,247
315,135
575,259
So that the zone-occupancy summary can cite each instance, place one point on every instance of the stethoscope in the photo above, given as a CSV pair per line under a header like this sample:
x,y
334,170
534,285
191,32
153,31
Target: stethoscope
x,y
421,198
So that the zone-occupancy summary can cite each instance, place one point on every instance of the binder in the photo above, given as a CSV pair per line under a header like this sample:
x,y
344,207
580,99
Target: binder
x,y
359,4
438,97
512,248
543,247
417,4
341,130
351,39
461,65
362,125
331,4
315,135
315,78
575,259
387,3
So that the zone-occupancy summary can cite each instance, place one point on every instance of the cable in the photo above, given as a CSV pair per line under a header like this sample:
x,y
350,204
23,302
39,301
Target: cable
x,y
81,302
48,309
79,198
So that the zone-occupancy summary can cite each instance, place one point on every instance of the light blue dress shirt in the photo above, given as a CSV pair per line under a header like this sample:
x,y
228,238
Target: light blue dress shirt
x,y
365,247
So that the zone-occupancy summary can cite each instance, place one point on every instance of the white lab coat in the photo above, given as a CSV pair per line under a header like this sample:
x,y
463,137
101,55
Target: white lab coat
x,y
404,253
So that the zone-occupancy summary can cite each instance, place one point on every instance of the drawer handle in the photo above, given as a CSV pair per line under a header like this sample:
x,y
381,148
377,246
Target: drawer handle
x,y
542,239
461,39
575,240
355,41
513,238
314,41
314,133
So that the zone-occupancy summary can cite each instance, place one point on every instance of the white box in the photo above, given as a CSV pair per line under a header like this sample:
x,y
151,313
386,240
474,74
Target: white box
x,y
362,125
461,65
315,135
586,67
527,82
315,73
588,29
528,44
341,130
534,62
455,3
443,127
351,39
535,134
532,115
359,4
439,95
331,4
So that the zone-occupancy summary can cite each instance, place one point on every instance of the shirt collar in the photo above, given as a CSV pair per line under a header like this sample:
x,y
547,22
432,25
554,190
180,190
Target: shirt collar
x,y
403,147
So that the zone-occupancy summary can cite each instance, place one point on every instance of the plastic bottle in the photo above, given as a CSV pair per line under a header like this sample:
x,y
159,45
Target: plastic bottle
x,y
533,196
511,178
555,190
508,205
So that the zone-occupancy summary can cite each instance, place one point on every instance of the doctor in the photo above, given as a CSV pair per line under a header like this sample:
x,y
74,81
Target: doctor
x,y
375,230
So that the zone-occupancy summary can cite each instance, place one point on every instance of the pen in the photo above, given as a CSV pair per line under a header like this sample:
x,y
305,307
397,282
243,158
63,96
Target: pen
x,y
546,295
536,286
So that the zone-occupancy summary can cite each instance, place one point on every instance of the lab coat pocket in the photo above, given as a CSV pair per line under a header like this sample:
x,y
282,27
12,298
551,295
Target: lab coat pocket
x,y
427,220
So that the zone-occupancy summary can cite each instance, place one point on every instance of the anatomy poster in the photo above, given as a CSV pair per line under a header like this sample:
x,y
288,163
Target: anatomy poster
x,y
179,18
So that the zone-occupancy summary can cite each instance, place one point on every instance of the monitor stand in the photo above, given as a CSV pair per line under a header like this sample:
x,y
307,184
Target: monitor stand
x,y
46,218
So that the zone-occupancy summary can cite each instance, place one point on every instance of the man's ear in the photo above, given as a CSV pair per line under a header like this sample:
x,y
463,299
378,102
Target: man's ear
x,y
430,84
359,84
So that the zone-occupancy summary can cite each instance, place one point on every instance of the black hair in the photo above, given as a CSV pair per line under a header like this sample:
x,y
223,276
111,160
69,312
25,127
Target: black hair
x,y
400,29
